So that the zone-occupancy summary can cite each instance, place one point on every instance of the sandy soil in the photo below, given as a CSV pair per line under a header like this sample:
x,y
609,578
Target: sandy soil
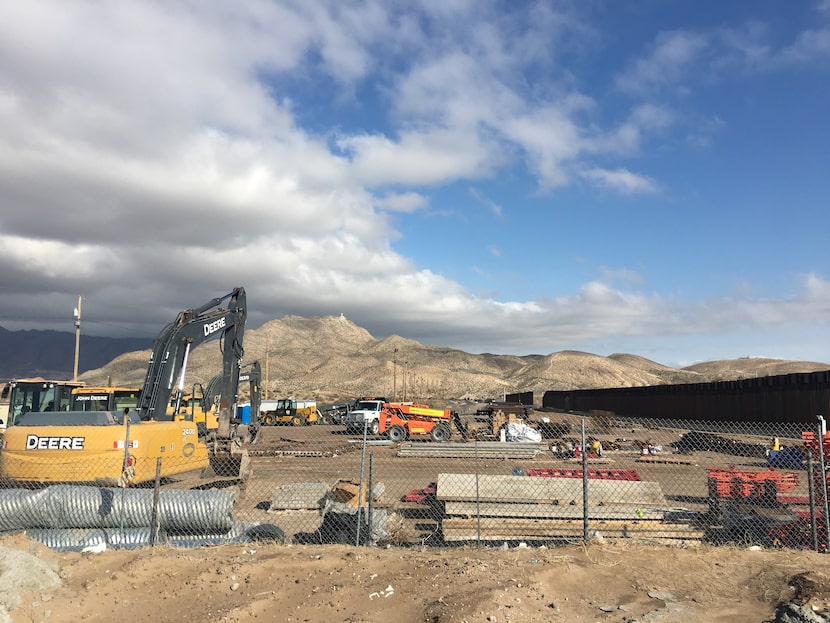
x,y
603,581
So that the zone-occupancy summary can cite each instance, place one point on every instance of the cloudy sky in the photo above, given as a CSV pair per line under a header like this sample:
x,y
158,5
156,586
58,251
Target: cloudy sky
x,y
647,177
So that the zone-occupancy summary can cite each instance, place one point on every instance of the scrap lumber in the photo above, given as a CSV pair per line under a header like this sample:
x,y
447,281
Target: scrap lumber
x,y
666,459
471,529
498,507
553,511
471,450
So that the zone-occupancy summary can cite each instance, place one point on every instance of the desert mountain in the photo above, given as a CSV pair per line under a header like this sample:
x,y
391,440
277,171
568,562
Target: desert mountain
x,y
330,358
51,354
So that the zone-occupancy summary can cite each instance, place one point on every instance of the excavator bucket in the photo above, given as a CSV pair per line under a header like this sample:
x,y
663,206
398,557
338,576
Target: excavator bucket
x,y
236,466
229,458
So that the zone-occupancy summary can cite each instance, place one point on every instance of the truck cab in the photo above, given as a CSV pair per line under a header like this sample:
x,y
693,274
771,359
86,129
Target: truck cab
x,y
366,413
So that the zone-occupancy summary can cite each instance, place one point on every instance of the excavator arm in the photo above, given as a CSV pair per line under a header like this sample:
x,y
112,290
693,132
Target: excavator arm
x,y
254,378
171,351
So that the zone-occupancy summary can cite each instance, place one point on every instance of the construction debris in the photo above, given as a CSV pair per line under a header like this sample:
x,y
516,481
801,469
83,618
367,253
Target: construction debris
x,y
299,496
477,450
494,507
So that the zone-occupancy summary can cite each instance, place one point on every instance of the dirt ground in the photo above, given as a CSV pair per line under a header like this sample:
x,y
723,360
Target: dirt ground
x,y
603,581
607,580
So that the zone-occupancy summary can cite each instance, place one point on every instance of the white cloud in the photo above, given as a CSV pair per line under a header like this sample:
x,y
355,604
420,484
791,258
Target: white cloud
x,y
149,152
491,205
702,134
419,159
672,54
402,202
809,45
621,180
625,276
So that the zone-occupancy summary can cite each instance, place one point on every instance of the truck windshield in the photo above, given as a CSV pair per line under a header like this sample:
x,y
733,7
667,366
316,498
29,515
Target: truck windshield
x,y
372,405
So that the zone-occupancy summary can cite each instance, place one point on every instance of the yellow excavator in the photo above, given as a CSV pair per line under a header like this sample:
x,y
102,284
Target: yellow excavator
x,y
101,398
201,404
142,444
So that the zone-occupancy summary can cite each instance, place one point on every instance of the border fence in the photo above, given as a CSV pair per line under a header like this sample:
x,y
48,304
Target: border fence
x,y
506,475
797,397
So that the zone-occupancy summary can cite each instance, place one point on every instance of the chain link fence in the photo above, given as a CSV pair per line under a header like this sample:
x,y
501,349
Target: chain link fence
x,y
553,478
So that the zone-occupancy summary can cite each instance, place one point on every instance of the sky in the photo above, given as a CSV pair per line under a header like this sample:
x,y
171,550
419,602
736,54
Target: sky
x,y
512,177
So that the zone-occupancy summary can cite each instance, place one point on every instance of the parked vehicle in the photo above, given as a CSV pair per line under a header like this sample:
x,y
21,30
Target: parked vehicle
x,y
36,394
336,413
399,422
104,398
289,411
366,415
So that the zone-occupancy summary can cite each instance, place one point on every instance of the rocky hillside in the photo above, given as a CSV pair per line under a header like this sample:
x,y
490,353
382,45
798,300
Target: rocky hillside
x,y
330,358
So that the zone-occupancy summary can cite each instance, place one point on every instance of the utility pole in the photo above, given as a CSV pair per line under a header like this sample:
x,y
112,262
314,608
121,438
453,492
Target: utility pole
x,y
77,315
405,366
395,375
267,348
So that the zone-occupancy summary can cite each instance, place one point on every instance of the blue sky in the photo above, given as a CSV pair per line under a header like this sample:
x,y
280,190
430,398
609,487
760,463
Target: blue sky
x,y
647,177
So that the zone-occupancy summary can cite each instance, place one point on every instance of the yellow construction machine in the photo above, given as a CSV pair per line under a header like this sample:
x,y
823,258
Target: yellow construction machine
x,y
91,398
146,442
201,405
289,411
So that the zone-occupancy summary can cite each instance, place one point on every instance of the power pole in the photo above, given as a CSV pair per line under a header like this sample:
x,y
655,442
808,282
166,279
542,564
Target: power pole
x,y
267,347
77,314
395,375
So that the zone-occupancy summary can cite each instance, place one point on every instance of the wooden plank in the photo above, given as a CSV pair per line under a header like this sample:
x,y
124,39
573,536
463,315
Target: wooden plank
x,y
561,491
668,460
481,450
464,529
552,511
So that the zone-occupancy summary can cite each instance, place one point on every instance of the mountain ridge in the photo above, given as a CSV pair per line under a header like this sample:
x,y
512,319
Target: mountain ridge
x,y
329,358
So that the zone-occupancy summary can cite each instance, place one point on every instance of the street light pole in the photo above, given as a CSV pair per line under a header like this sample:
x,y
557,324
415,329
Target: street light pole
x,y
77,315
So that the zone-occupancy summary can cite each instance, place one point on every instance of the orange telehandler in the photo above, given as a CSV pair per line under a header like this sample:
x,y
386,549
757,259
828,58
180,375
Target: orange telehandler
x,y
400,421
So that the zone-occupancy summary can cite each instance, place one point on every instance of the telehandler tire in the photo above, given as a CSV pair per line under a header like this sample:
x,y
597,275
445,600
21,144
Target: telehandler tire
x,y
440,433
396,433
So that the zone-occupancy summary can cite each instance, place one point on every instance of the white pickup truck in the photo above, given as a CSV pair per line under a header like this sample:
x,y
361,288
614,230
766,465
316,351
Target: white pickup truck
x,y
365,413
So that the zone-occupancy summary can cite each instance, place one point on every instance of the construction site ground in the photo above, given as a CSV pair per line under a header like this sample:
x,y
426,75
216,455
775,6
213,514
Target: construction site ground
x,y
412,577
616,582
286,454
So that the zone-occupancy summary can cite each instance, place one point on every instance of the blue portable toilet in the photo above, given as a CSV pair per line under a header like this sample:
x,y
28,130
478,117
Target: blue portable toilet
x,y
243,412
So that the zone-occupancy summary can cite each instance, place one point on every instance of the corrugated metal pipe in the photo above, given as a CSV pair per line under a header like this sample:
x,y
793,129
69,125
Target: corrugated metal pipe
x,y
80,539
68,506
